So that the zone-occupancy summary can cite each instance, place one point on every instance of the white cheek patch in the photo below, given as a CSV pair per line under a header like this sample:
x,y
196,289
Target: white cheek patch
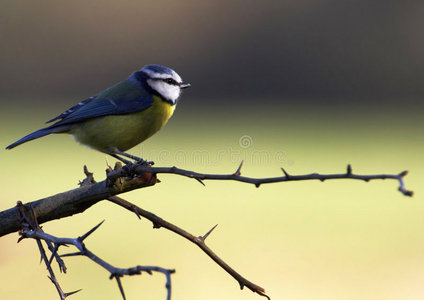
x,y
168,91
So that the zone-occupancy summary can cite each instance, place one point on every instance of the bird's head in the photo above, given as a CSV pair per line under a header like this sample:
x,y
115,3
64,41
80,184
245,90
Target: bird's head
x,y
164,81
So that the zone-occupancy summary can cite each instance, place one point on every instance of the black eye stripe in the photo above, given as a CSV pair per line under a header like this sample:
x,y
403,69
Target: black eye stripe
x,y
171,81
167,80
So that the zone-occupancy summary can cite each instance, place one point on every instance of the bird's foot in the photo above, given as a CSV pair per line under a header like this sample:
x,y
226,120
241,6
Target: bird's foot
x,y
138,160
141,161
145,162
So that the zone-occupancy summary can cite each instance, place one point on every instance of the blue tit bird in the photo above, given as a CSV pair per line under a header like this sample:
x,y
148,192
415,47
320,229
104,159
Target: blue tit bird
x,y
122,116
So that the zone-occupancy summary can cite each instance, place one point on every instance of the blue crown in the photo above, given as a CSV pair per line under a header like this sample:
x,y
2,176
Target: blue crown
x,y
158,69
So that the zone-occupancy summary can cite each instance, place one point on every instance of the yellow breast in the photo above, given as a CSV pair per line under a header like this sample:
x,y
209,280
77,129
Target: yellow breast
x,y
123,132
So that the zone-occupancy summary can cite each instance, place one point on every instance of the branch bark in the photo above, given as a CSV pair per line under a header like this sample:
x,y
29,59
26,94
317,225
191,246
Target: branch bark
x,y
73,202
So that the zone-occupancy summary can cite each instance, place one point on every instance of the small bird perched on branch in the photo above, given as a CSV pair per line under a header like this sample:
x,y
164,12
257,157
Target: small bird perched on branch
x,y
122,116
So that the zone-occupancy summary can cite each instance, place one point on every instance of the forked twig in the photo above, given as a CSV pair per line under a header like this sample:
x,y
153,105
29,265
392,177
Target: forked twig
x,y
30,224
78,242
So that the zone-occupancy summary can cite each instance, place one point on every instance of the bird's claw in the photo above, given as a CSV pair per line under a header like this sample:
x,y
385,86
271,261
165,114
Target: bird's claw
x,y
138,160
143,162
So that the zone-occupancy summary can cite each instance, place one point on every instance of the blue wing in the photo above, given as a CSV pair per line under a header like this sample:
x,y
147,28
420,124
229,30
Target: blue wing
x,y
71,110
123,98
103,107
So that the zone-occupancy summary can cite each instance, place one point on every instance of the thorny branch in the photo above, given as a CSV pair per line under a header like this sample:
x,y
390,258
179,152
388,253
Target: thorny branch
x,y
236,176
198,240
135,176
31,230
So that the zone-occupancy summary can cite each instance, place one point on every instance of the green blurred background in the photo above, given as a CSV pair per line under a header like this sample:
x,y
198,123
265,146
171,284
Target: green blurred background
x,y
305,85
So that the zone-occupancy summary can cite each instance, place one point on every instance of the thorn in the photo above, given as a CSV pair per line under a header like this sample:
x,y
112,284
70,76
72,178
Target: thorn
x,y
71,254
71,293
403,174
156,225
88,174
241,285
263,294
349,170
86,170
322,179
200,180
56,247
121,289
238,173
62,267
285,173
81,238
89,179
136,213
203,238
257,185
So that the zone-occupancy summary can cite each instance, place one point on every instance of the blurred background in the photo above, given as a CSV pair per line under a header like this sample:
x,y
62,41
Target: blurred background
x,y
305,85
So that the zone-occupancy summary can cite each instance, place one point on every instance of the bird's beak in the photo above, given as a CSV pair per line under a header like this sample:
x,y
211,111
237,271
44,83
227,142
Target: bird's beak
x,y
184,85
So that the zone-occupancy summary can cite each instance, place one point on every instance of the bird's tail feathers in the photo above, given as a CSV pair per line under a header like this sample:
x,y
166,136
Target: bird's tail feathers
x,y
37,134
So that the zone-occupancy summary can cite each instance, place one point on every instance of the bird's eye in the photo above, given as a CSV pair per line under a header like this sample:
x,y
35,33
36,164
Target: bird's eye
x,y
170,81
